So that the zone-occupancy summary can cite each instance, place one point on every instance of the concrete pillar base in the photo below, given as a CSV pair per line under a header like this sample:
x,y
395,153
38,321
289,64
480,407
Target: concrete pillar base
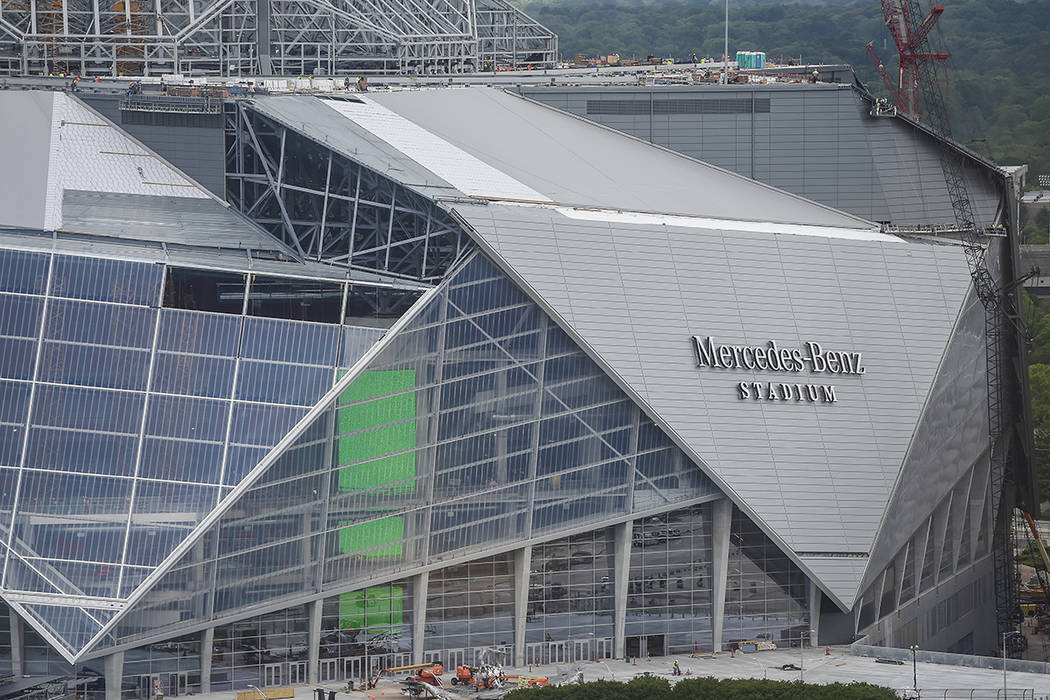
x,y
420,586
113,666
622,534
522,569
207,645
721,526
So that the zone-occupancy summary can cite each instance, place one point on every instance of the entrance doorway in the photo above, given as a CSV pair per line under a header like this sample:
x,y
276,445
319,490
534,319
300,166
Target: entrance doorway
x,y
581,650
328,669
654,645
353,668
297,673
634,647
456,657
534,653
271,675
160,684
556,651
605,648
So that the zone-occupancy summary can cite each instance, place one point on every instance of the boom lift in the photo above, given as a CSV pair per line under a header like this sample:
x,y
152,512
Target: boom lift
x,y
425,673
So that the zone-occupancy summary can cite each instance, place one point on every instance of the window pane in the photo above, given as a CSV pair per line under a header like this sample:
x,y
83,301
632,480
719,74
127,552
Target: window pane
x,y
106,280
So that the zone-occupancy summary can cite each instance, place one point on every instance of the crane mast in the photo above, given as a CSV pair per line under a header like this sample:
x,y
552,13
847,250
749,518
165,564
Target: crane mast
x,y
919,95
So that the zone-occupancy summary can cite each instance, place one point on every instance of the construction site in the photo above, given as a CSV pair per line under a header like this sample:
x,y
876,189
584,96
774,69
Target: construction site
x,y
266,37
365,350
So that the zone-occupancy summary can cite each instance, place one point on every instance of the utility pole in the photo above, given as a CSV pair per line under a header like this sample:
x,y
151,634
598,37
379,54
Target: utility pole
x,y
1044,184
1004,664
801,659
914,672
725,54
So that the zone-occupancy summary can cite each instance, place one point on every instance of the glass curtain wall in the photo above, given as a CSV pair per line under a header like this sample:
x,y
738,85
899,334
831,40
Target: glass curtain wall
x,y
570,608
479,424
767,595
669,589
171,667
133,396
471,605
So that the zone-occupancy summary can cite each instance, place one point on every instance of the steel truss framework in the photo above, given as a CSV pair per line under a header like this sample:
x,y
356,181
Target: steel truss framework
x,y
331,209
268,37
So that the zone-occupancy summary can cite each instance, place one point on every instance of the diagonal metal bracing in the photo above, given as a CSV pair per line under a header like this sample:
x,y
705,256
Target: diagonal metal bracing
x,y
331,209
232,37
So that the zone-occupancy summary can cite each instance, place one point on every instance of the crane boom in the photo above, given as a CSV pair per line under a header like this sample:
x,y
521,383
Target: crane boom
x,y
935,115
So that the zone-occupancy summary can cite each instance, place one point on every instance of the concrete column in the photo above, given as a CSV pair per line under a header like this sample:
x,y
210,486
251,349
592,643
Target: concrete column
x,y
721,525
18,668
622,574
113,666
207,647
420,585
313,641
522,569
815,597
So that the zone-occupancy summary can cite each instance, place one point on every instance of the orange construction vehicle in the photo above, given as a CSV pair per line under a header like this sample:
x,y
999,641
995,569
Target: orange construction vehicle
x,y
529,681
464,675
425,673
485,677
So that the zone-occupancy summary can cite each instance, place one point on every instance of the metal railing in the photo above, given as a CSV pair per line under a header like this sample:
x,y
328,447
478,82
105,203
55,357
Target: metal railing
x,y
970,694
180,105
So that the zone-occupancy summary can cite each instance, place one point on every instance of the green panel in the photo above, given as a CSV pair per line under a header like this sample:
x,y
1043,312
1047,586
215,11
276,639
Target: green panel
x,y
382,538
378,609
382,427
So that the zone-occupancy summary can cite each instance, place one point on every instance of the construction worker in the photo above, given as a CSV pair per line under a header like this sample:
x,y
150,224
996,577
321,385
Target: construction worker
x,y
676,670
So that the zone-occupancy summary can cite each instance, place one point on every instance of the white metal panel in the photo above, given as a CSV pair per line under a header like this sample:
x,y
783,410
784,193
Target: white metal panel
x,y
91,154
816,475
758,226
469,174
839,574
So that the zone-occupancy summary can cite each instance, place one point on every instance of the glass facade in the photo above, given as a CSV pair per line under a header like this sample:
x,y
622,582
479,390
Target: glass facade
x,y
767,595
670,584
479,424
571,598
476,425
471,605
126,411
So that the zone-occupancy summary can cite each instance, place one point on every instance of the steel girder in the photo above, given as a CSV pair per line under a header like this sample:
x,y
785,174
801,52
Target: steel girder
x,y
331,209
267,37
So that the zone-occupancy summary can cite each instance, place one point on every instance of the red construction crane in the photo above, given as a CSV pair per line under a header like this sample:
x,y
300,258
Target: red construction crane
x,y
912,52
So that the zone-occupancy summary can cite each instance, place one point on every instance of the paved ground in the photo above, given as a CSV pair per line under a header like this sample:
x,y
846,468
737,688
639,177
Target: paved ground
x,y
840,666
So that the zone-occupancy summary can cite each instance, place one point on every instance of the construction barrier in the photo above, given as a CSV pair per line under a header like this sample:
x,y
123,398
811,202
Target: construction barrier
x,y
270,694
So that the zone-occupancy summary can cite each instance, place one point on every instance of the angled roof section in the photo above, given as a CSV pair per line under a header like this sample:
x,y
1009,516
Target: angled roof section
x,y
817,476
322,121
574,162
81,173
489,144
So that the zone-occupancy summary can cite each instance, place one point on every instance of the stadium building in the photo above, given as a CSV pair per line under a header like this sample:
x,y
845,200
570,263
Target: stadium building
x,y
446,370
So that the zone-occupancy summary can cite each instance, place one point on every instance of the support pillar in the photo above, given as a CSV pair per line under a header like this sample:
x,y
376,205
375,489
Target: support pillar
x,y
721,525
522,569
622,574
18,668
313,641
420,585
113,666
207,647
815,597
